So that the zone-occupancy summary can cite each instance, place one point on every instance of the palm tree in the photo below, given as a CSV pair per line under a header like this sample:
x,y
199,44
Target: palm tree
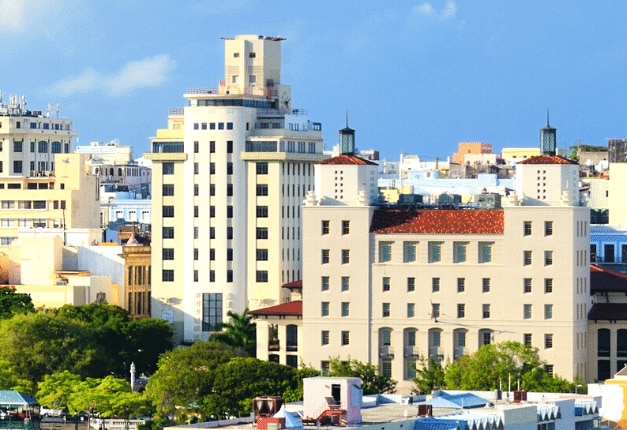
x,y
240,332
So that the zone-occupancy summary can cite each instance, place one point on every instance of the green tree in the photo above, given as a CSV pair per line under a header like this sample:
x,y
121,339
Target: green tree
x,y
372,382
296,394
185,376
429,375
240,332
243,378
148,339
12,303
56,389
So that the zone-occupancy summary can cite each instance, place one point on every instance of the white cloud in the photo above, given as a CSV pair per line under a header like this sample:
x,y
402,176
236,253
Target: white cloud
x,y
149,72
427,9
449,11
12,15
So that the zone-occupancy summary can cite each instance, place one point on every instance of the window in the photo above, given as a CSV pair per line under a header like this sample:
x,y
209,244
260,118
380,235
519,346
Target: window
x,y
527,311
548,340
527,228
385,310
325,256
262,211
168,211
262,255
196,168
325,227
229,211
436,338
42,147
548,228
346,256
410,252
485,285
459,252
229,168
168,168
262,189
229,275
229,232
548,285
548,368
324,283
167,275
526,258
435,310
212,232
548,312
346,227
461,310
196,210
485,252
527,339
229,143
385,252
17,146
435,284
212,211
411,284
324,337
211,311
386,283
345,309
345,337
262,276
345,283
435,252
262,167
324,309
167,253
262,232
411,310
461,285
168,232
485,311
548,258
17,166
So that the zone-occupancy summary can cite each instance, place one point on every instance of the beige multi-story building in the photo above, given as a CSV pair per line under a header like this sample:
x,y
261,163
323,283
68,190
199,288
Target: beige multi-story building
x,y
229,177
388,286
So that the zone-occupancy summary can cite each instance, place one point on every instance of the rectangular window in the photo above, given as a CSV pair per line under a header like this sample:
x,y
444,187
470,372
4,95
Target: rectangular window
x,y
325,227
212,254
548,258
325,256
461,285
346,256
168,168
212,168
548,368
410,253
17,146
196,190
262,167
411,310
262,232
211,311
345,337
485,285
346,227
548,340
385,252
548,312
548,228
167,275
168,253
435,252
229,168
527,228
527,339
526,258
345,309
324,337
324,283
324,309
17,166
435,310
527,311
461,310
385,309
527,285
459,252
229,190
262,211
548,285
436,338
411,284
168,232
262,255
345,283
262,189
212,146
212,232
435,285
386,283
168,211
229,143
262,276
196,168
485,252
485,311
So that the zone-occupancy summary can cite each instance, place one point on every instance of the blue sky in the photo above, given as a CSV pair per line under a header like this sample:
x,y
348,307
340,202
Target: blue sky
x,y
418,76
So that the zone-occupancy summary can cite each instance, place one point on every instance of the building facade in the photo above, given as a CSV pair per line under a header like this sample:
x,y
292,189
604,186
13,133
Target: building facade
x,y
229,177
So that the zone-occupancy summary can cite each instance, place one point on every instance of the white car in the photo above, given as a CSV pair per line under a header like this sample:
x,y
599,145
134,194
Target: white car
x,y
45,411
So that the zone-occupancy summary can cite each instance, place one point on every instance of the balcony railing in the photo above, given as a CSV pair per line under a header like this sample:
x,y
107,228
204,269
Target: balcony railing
x,y
386,351
412,351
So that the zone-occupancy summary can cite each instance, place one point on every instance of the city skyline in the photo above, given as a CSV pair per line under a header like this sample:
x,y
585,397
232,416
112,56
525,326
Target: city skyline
x,y
417,77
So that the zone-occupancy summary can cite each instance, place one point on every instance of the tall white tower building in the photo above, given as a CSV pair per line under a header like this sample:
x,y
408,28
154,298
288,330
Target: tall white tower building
x,y
229,177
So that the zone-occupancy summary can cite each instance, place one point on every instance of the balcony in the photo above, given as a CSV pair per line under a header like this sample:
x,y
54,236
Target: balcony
x,y
386,351
459,351
412,351
274,346
436,352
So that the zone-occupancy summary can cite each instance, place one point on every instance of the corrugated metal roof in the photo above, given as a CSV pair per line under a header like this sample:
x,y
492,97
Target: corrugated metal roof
x,y
15,397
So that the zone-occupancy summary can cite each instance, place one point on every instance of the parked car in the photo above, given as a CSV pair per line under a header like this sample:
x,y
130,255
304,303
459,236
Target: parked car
x,y
45,411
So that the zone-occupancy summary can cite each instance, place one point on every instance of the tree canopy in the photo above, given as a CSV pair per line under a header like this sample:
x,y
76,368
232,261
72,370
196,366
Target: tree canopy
x,y
372,382
12,303
239,332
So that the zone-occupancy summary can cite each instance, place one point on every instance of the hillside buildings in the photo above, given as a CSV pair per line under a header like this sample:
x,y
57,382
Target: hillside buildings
x,y
229,176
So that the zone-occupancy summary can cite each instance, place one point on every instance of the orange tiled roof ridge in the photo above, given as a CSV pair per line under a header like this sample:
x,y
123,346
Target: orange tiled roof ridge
x,y
438,221
289,308
547,159
347,159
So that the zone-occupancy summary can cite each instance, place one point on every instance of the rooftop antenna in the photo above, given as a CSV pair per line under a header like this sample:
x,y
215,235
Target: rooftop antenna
x,y
57,110
547,118
346,119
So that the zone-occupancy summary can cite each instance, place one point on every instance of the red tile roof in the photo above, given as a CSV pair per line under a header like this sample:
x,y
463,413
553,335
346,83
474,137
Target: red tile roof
x,y
547,159
348,159
608,312
438,221
294,308
294,285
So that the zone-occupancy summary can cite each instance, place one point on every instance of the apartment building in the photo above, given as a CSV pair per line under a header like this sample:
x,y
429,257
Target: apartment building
x,y
229,176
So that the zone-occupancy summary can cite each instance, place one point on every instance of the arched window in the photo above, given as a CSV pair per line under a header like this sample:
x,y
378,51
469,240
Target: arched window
x,y
292,337
621,343
603,342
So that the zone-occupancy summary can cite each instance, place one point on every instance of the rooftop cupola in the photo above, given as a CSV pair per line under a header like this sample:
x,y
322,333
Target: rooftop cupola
x,y
347,140
548,138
